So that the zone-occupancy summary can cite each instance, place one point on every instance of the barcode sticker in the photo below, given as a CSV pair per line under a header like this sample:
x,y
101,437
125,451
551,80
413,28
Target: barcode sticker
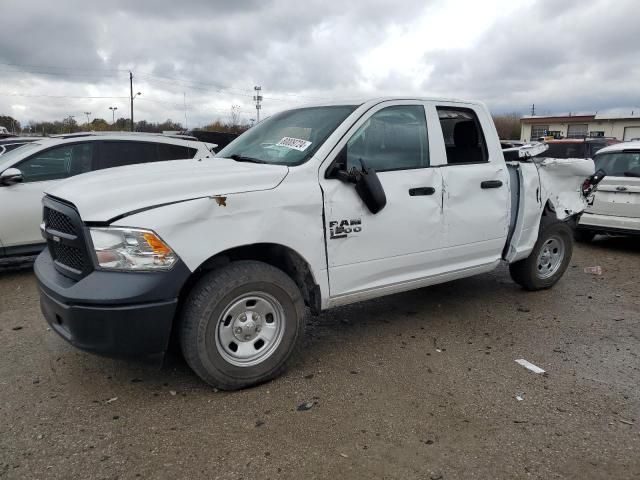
x,y
294,143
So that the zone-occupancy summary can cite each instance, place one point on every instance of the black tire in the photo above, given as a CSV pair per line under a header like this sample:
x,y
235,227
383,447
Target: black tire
x,y
584,236
526,272
201,323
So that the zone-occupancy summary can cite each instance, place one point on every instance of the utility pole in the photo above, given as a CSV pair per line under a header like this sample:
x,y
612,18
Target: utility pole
x,y
131,93
258,98
184,99
533,110
87,114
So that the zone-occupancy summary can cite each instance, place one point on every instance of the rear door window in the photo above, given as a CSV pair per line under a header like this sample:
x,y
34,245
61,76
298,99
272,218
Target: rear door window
x,y
57,163
167,151
463,137
619,164
121,153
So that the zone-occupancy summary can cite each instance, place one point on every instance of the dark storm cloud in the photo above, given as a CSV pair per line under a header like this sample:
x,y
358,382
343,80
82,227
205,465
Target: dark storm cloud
x,y
562,56
286,46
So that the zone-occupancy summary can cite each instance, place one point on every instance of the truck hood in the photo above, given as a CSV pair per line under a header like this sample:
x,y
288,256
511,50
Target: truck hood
x,y
103,195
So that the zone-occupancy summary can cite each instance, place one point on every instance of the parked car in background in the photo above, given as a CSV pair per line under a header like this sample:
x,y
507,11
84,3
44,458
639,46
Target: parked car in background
x,y
27,171
11,143
220,139
577,147
615,206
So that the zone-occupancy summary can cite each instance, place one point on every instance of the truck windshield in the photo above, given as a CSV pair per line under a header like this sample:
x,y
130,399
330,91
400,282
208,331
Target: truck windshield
x,y
287,138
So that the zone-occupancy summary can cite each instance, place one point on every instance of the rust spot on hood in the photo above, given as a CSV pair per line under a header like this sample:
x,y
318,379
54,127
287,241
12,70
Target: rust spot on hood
x,y
221,201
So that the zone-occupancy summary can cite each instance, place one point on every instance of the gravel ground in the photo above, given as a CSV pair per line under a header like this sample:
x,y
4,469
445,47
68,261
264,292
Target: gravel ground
x,y
416,385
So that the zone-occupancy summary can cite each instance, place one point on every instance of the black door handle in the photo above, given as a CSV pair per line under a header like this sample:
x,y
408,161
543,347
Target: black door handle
x,y
491,184
414,192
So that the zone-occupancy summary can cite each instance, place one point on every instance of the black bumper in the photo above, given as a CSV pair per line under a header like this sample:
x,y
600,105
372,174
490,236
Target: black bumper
x,y
116,314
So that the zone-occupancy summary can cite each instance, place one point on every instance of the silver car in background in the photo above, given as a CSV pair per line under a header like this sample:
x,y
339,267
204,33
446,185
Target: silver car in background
x,y
615,207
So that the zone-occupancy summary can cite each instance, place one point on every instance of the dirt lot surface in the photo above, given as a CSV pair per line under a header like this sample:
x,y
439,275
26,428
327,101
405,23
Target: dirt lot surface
x,y
416,385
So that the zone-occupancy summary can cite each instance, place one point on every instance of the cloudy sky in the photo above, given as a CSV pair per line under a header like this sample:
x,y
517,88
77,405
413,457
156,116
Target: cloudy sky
x,y
204,56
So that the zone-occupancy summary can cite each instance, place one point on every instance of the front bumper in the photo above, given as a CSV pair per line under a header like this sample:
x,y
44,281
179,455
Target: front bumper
x,y
116,314
609,223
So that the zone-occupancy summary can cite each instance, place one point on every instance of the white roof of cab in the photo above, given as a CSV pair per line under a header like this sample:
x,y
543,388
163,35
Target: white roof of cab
x,y
376,100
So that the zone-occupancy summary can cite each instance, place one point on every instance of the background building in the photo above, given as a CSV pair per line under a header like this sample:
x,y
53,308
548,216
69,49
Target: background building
x,y
579,126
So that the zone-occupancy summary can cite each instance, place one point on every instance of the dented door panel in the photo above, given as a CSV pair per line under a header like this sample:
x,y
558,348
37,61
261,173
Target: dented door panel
x,y
398,244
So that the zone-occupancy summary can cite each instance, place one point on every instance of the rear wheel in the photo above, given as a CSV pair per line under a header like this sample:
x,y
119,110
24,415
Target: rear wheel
x,y
242,325
583,235
548,260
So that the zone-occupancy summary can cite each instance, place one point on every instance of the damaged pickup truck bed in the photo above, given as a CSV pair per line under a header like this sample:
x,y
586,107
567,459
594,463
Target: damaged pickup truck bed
x,y
319,207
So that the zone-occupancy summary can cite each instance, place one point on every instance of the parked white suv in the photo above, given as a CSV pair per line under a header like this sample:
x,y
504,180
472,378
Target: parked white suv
x,y
615,207
29,170
318,206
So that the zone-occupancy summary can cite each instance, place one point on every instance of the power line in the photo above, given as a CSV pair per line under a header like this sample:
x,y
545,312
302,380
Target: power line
x,y
195,85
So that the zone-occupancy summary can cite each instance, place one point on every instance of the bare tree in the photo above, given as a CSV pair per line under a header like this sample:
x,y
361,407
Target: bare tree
x,y
508,125
235,115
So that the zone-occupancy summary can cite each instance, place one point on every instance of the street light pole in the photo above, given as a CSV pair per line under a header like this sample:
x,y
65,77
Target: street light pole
x,y
132,97
87,114
113,115
131,93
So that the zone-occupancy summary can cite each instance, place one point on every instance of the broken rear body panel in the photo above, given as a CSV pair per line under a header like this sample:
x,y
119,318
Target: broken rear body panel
x,y
544,182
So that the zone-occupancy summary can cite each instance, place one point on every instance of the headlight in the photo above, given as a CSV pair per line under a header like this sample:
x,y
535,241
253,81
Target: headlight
x,y
131,249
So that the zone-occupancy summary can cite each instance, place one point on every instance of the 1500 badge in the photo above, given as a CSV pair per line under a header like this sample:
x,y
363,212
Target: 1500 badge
x,y
344,228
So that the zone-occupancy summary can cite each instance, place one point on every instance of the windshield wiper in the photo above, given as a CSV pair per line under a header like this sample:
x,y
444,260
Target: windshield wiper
x,y
242,158
631,174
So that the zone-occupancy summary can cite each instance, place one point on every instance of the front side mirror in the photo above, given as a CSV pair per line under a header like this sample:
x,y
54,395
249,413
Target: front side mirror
x,y
370,189
10,176
366,181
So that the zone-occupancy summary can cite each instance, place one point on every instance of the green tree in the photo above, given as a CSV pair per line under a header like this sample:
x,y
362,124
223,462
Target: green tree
x,y
99,125
219,126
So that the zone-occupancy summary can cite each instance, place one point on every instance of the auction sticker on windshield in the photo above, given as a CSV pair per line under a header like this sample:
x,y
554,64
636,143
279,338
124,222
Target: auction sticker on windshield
x,y
295,143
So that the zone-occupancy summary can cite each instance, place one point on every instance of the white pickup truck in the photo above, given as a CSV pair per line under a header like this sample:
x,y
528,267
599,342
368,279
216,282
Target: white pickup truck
x,y
318,207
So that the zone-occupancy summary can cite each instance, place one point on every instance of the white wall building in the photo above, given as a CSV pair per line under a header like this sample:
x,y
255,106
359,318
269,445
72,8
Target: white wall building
x,y
579,126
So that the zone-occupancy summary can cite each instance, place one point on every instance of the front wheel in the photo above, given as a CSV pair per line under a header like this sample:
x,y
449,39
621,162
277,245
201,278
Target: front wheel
x,y
548,260
242,325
